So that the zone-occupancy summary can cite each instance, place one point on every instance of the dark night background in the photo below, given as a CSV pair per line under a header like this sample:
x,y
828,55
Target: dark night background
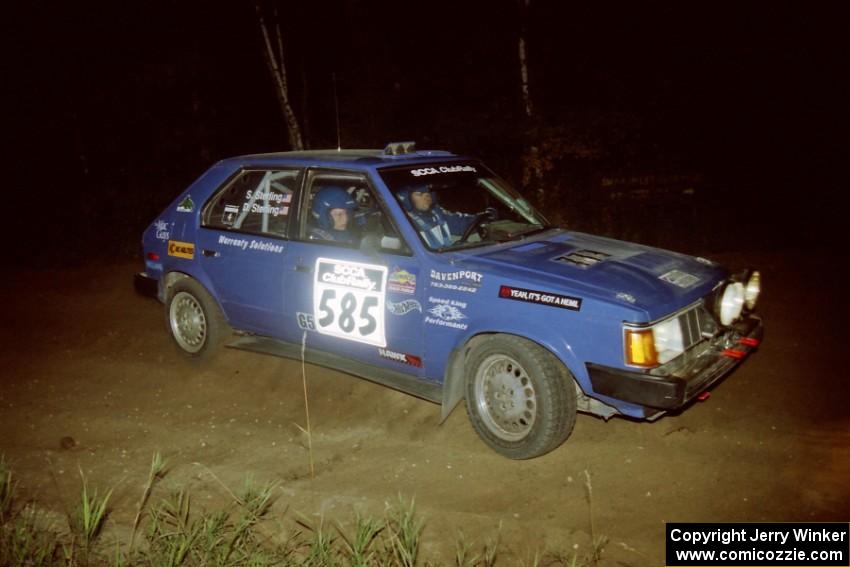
x,y
112,108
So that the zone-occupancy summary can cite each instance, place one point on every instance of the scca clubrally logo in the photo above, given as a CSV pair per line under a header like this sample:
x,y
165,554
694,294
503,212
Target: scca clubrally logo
x,y
181,249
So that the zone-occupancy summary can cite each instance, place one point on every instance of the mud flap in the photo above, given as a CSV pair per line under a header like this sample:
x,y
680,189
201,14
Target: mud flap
x,y
453,385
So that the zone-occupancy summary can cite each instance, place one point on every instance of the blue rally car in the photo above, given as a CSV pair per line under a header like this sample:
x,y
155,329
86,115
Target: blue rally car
x,y
426,272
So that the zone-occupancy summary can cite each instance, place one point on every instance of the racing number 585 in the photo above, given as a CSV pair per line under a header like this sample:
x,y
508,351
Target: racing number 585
x,y
348,306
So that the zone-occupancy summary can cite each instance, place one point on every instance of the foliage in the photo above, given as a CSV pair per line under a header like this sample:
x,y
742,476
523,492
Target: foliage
x,y
245,534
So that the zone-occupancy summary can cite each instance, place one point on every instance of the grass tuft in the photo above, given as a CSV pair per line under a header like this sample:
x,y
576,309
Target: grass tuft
x,y
360,550
86,521
598,542
173,533
404,530
157,471
27,539
6,489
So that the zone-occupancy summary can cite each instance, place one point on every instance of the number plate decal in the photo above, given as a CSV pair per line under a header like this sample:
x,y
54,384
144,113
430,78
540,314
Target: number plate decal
x,y
349,300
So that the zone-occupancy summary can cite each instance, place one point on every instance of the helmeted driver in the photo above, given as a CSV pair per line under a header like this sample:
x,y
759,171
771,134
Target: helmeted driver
x,y
333,213
435,224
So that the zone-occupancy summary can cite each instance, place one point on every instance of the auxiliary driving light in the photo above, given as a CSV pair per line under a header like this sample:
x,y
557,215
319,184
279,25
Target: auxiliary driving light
x,y
731,303
752,290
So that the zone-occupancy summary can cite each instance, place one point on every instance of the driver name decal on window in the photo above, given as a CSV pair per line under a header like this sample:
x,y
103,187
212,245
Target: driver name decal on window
x,y
349,300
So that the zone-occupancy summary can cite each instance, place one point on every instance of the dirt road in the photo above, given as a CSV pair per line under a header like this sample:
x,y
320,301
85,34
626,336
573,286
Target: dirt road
x,y
85,358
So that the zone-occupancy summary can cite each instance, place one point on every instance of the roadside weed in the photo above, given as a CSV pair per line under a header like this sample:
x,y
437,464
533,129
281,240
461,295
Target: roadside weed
x,y
404,529
6,489
598,542
320,548
360,550
172,532
156,472
28,540
86,521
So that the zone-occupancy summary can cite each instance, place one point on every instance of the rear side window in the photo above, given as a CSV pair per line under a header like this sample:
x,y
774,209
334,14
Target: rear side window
x,y
255,201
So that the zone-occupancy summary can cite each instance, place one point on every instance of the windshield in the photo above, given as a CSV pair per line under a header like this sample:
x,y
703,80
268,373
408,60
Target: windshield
x,y
456,205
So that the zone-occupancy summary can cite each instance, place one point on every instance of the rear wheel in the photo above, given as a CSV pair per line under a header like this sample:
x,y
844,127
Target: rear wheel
x,y
194,319
520,398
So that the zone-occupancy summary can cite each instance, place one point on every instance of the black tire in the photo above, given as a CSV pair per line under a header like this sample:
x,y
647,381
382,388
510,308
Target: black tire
x,y
521,400
194,320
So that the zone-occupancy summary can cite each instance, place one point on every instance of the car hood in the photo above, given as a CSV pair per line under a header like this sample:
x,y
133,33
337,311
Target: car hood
x,y
653,280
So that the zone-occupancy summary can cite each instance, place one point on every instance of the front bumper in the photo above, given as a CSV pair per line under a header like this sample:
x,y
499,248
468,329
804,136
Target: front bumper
x,y
674,384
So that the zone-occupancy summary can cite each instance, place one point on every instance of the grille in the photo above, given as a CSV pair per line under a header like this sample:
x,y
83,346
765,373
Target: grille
x,y
697,324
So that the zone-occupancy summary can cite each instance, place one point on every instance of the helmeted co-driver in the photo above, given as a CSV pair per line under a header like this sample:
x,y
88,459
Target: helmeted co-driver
x,y
333,213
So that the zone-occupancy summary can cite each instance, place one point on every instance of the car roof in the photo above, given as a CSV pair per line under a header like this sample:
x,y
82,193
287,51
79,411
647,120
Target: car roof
x,y
366,158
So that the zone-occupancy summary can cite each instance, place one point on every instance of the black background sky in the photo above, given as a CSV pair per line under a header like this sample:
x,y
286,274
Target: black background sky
x,y
111,100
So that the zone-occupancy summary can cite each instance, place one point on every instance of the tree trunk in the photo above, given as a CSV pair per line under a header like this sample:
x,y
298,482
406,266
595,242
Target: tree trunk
x,y
277,68
532,173
523,61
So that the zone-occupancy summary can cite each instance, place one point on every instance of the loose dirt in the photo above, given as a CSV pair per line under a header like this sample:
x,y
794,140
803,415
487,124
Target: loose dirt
x,y
92,383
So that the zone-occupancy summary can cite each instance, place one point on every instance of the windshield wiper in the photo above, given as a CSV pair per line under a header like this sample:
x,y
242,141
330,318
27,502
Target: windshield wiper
x,y
530,231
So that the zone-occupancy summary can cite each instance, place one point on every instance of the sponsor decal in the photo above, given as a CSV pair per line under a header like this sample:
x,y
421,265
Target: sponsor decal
x,y
540,297
181,249
442,169
349,300
153,266
351,274
252,244
162,230
623,296
447,313
402,357
187,205
679,278
228,217
404,307
305,321
401,281
461,280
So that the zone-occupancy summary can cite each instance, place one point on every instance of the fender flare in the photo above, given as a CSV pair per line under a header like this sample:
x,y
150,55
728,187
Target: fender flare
x,y
454,379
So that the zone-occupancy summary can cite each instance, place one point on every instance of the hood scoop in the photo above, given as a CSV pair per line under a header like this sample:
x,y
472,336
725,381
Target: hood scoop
x,y
582,258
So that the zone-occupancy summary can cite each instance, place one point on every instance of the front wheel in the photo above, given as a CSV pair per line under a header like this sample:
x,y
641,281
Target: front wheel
x,y
194,320
520,398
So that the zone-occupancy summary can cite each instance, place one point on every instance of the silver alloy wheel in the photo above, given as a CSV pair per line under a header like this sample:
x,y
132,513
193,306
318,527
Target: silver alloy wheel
x,y
505,397
188,322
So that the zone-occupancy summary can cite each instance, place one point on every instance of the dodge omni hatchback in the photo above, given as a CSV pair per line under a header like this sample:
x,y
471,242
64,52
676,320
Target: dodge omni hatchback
x,y
426,272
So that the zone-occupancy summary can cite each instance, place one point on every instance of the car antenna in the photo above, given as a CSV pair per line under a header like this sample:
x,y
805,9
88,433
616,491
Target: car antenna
x,y
336,109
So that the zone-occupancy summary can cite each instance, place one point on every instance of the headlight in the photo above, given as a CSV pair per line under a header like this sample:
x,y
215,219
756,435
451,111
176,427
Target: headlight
x,y
651,346
731,303
752,290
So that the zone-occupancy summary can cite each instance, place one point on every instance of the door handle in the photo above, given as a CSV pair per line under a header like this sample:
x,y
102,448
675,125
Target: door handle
x,y
209,253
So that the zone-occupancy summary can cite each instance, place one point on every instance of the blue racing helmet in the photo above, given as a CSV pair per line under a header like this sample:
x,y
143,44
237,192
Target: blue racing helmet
x,y
331,197
403,195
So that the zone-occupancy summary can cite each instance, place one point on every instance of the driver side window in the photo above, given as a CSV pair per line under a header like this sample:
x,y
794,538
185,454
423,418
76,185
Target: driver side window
x,y
343,209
